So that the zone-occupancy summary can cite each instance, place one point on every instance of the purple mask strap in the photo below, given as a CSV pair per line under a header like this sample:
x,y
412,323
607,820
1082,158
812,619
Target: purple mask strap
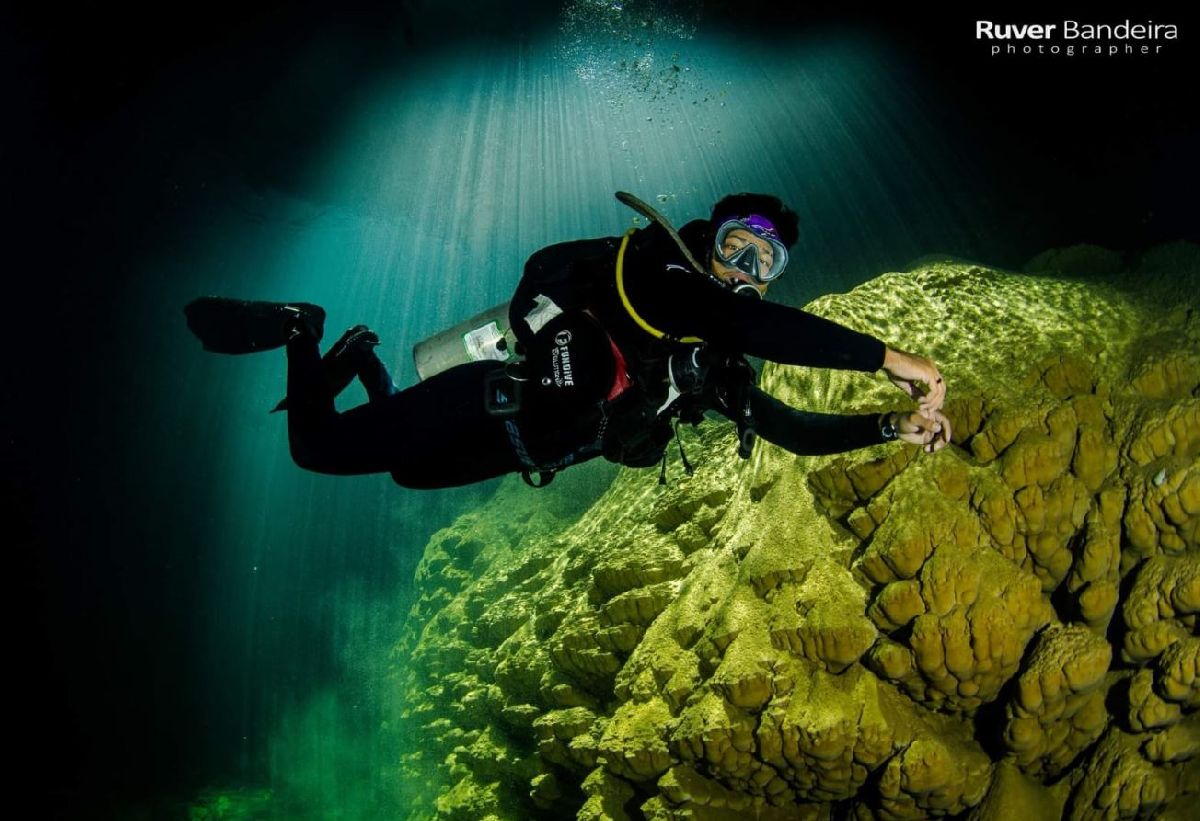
x,y
761,225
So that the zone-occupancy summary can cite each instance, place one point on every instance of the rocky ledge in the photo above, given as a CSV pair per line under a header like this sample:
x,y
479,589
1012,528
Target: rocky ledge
x,y
1007,628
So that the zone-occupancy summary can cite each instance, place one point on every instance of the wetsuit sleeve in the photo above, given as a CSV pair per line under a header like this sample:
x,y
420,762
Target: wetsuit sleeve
x,y
794,337
683,303
811,434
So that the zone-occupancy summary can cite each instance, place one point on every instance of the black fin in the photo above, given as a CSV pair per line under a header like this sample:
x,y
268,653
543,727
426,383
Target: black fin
x,y
237,326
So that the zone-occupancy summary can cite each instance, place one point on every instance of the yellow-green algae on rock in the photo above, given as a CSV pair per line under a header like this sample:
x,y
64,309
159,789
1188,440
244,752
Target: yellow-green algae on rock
x,y
1006,628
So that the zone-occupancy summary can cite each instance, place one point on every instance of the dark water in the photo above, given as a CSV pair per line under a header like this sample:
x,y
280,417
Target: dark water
x,y
194,610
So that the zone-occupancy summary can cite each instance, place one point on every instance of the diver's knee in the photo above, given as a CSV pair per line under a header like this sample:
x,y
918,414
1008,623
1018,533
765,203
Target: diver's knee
x,y
301,458
305,456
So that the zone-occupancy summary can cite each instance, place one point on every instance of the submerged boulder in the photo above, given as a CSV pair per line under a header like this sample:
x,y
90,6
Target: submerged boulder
x,y
1008,623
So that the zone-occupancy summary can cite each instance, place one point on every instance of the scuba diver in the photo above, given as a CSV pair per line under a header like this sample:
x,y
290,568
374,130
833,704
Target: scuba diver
x,y
610,344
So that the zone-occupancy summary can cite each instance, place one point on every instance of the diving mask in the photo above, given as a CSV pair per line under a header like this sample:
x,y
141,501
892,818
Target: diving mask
x,y
745,255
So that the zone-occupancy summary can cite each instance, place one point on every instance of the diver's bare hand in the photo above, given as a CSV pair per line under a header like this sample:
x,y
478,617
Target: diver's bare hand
x,y
931,432
909,372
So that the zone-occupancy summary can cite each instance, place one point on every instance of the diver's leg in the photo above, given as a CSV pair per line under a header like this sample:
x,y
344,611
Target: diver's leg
x,y
309,404
433,434
353,355
441,434
346,357
374,376
321,439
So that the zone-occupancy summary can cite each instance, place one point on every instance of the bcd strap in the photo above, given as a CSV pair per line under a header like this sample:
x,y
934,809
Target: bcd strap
x,y
687,466
546,477
746,439
629,309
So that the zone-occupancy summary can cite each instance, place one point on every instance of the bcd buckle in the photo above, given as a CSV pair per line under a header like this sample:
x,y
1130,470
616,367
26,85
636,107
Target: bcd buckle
x,y
545,477
501,394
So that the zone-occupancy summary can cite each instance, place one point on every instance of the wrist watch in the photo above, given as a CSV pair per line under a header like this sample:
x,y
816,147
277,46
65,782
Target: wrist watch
x,y
887,429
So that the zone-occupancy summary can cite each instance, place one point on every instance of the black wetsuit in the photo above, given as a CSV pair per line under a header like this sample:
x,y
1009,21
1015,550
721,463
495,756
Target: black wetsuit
x,y
438,434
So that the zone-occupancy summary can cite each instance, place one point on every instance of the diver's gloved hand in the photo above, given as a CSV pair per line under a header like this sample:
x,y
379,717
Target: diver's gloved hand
x,y
931,432
909,372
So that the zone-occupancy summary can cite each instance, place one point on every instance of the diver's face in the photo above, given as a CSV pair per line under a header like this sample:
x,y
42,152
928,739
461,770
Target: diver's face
x,y
738,239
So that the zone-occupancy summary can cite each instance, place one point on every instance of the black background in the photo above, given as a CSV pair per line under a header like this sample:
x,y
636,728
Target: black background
x,y
1101,150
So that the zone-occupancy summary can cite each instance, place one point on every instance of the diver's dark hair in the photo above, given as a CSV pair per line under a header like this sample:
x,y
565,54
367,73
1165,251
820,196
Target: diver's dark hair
x,y
740,206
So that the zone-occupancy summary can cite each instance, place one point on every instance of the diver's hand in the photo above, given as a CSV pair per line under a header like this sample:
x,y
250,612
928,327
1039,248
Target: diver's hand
x,y
931,432
909,371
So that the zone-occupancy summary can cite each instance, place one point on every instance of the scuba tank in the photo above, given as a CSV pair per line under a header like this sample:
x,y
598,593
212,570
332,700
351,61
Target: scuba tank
x,y
486,335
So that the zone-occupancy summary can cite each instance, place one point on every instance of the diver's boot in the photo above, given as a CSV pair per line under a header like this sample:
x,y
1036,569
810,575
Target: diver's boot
x,y
343,361
237,326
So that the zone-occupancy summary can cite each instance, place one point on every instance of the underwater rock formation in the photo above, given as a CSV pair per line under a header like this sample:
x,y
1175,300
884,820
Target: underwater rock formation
x,y
1008,627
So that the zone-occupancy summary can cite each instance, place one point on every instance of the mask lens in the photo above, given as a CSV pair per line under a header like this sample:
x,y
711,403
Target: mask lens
x,y
746,258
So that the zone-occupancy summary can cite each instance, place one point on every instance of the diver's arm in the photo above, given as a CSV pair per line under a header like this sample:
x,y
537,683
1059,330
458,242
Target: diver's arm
x,y
689,305
684,303
811,434
795,337
791,336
